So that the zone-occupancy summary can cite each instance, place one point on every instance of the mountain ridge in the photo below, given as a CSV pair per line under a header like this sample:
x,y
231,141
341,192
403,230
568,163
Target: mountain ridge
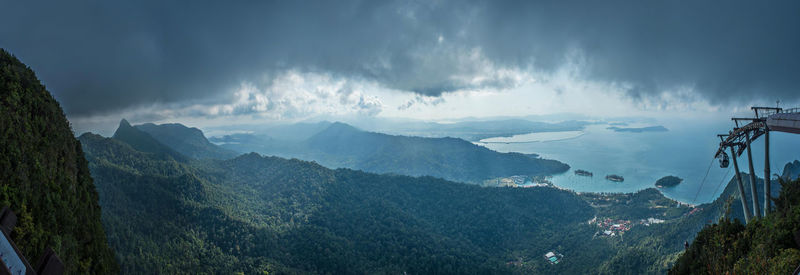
x,y
190,142
143,141
296,208
449,158
316,219
45,179
341,145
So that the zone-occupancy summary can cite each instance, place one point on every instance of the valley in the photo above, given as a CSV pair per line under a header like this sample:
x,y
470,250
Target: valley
x,y
245,214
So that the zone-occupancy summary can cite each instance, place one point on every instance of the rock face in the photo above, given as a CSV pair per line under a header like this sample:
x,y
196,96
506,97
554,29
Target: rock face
x,y
791,170
44,177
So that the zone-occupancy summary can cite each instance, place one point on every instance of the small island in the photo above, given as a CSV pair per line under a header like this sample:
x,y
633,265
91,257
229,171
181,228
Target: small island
x,y
584,173
668,181
615,178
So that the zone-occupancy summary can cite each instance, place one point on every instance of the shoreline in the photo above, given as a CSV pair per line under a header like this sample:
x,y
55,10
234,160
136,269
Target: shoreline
x,y
554,184
487,140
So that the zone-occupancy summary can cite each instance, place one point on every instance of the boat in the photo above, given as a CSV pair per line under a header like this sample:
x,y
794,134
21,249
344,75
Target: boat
x,y
584,173
615,178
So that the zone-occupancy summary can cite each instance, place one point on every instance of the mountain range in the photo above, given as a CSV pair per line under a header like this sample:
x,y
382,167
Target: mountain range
x,y
254,213
190,142
340,145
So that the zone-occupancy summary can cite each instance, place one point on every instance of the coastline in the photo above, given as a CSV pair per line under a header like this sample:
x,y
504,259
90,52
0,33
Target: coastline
x,y
494,140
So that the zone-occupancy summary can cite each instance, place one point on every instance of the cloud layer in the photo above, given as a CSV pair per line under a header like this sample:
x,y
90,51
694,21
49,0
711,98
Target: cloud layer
x,y
101,56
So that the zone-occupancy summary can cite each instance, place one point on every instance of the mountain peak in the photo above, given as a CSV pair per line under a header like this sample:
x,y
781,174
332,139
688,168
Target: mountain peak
x,y
185,140
337,130
791,170
142,141
340,128
123,128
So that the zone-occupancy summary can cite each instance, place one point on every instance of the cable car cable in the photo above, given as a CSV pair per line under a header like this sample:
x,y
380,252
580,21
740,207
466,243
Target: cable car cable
x,y
703,181
722,180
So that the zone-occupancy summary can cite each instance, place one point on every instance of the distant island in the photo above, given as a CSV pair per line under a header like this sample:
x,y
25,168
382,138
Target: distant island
x,y
658,128
580,172
668,181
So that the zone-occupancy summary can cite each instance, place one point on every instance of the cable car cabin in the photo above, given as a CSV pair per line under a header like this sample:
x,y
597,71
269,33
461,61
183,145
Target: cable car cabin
x,y
724,161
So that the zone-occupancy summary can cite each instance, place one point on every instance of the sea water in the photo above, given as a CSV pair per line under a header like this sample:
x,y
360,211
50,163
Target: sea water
x,y
686,150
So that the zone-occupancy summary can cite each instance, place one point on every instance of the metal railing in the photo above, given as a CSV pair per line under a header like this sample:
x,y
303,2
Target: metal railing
x,y
791,110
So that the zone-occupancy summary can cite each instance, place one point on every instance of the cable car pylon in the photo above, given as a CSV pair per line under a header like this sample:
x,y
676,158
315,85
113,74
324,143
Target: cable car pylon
x,y
723,163
740,138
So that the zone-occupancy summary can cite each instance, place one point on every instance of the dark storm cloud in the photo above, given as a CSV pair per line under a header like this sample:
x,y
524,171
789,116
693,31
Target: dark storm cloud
x,y
725,49
98,56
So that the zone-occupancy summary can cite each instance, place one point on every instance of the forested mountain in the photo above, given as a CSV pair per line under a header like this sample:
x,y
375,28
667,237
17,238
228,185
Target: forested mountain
x,y
654,249
341,145
254,213
766,246
144,142
44,177
455,159
187,141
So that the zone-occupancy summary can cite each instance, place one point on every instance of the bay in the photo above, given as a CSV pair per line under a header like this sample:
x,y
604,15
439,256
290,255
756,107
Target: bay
x,y
686,151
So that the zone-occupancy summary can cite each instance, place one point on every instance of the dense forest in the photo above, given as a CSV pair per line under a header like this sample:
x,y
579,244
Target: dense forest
x,y
656,248
254,213
168,213
770,245
44,177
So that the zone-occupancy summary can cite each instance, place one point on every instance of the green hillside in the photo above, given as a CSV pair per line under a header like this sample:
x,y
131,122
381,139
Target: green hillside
x,y
767,246
44,177
255,213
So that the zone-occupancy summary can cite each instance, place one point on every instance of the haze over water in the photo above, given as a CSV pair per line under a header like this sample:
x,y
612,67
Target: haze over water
x,y
642,158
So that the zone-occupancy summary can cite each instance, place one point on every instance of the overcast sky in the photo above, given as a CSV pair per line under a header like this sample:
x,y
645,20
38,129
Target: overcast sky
x,y
283,61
